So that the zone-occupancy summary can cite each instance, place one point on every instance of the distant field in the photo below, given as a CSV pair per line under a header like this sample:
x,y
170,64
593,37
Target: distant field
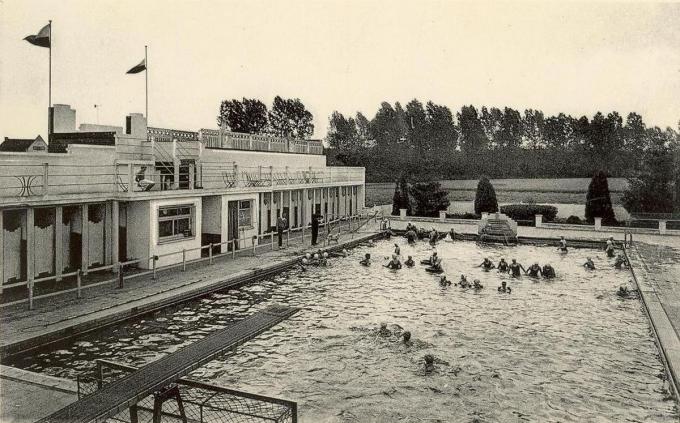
x,y
567,191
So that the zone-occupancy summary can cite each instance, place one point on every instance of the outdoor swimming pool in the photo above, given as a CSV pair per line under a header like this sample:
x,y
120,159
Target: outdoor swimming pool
x,y
565,350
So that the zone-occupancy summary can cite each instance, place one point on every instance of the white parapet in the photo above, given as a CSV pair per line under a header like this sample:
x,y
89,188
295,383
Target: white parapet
x,y
598,223
402,214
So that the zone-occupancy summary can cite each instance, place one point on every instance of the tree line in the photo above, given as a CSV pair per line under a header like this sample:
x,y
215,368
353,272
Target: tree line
x,y
287,118
428,142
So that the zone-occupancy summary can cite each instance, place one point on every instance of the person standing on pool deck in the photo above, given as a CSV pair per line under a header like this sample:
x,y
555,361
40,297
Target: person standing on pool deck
x,y
281,224
315,228
515,269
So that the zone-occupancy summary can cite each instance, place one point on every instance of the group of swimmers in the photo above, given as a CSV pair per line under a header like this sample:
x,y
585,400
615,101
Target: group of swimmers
x,y
320,258
515,269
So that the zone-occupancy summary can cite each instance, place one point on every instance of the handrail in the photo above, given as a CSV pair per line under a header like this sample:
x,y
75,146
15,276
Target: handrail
x,y
119,268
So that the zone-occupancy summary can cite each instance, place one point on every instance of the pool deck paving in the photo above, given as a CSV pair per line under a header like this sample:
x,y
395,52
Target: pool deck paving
x,y
27,397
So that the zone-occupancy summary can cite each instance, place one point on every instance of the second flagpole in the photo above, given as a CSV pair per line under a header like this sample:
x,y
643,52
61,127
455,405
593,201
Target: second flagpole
x,y
146,76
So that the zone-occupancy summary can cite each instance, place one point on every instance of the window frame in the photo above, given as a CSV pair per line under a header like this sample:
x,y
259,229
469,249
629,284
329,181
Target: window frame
x,y
249,225
175,237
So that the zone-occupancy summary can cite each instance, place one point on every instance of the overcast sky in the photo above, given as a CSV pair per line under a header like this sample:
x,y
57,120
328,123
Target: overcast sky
x,y
349,56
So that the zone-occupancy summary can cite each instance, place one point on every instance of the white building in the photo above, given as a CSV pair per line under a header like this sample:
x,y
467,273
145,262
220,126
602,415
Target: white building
x,y
107,196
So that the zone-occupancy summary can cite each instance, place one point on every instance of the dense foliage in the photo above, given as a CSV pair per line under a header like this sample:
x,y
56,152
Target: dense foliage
x,y
287,118
485,198
429,198
598,200
401,199
529,211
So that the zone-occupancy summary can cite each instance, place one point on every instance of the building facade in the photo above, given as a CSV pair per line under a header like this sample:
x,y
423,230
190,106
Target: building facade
x,y
105,196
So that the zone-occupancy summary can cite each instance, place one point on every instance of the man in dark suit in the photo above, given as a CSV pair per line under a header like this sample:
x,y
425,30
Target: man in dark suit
x,y
315,228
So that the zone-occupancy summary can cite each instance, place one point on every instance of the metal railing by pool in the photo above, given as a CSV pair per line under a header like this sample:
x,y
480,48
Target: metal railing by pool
x,y
201,402
28,291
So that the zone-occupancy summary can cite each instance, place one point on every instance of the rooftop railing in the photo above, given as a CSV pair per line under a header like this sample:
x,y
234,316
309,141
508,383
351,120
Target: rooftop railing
x,y
228,140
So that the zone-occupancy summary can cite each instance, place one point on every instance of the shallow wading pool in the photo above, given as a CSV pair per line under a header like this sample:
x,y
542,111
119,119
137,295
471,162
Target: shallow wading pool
x,y
565,350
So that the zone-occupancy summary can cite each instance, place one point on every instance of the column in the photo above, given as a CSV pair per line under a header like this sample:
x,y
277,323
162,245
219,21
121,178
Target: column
x,y
2,250
59,241
108,224
272,211
313,200
30,244
85,238
115,232
290,209
303,207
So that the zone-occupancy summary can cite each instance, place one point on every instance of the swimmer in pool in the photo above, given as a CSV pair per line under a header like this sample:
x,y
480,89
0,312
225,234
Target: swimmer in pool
x,y
411,236
476,284
324,259
589,264
516,269
436,264
429,363
397,250
433,237
463,282
452,235
504,288
393,264
431,259
620,262
409,262
610,243
563,245
534,270
366,261
548,271
610,251
406,338
302,263
444,282
342,253
502,265
383,331
487,264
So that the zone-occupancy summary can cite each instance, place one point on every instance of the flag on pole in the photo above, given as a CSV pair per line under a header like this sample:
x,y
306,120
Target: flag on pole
x,y
138,68
42,38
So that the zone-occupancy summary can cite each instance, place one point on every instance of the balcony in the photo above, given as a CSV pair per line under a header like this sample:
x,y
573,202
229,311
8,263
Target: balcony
x,y
32,181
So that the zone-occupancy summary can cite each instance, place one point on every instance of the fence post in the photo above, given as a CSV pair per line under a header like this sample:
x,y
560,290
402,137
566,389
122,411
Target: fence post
x,y
210,254
79,283
303,233
45,178
233,248
288,237
30,293
184,260
271,235
121,271
100,375
253,239
154,259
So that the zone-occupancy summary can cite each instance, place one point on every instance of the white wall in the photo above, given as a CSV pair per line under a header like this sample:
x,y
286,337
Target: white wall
x,y
212,215
138,231
156,248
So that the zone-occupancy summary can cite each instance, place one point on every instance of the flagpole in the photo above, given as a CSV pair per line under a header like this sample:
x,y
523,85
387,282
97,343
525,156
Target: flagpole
x,y
49,84
146,76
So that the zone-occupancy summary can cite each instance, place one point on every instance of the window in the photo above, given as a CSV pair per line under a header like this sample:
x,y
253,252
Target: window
x,y
175,223
244,214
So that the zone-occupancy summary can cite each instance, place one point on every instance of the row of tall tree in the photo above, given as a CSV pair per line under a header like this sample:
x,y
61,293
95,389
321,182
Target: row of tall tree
x,y
425,140
287,117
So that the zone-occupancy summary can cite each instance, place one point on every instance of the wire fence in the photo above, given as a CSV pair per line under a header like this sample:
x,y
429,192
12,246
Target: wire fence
x,y
190,400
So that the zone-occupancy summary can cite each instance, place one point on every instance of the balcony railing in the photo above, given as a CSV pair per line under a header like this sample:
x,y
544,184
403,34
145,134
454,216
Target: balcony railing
x,y
23,180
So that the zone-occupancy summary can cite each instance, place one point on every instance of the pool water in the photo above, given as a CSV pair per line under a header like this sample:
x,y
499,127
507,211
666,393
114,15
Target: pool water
x,y
567,350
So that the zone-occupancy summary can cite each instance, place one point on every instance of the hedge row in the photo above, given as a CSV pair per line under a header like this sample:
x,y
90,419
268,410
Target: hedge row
x,y
529,211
